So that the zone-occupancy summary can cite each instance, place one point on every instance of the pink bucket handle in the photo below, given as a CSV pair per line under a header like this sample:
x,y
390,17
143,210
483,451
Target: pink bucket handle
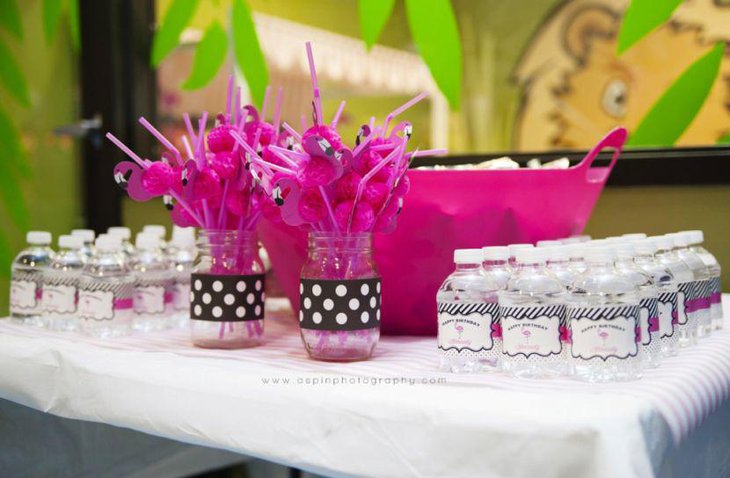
x,y
614,139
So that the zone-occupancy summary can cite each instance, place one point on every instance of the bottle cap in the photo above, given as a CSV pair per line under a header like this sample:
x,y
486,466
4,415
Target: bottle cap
x,y
87,235
495,253
696,237
108,243
530,255
575,239
663,243
599,254
183,237
67,241
583,238
645,246
156,229
513,248
38,238
624,250
122,232
557,253
548,243
468,256
147,241
634,235
575,251
681,239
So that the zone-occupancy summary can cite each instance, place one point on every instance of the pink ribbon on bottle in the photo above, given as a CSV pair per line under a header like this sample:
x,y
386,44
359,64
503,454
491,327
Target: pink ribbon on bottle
x,y
675,317
566,335
122,304
496,330
653,324
715,298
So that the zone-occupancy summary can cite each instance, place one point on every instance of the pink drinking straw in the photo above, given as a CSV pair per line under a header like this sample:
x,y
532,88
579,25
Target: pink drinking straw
x,y
187,147
277,110
191,132
292,131
286,155
254,156
336,118
315,85
161,138
238,104
229,97
329,208
303,122
401,109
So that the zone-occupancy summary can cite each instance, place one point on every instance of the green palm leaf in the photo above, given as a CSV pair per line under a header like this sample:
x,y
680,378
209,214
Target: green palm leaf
x,y
51,17
11,76
209,56
168,35
641,17
247,50
10,18
373,15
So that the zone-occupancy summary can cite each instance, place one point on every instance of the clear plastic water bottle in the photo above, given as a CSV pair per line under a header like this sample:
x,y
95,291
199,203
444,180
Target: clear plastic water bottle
x,y
603,318
699,306
495,262
696,238
182,256
125,234
513,248
106,290
558,262
686,328
575,251
26,281
532,313
468,321
152,280
650,335
60,283
87,235
160,232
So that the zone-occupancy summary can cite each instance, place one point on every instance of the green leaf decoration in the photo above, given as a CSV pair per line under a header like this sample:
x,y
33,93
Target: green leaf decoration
x,y
435,32
11,76
12,196
677,107
247,50
178,16
51,17
209,56
73,24
374,14
10,146
10,18
640,18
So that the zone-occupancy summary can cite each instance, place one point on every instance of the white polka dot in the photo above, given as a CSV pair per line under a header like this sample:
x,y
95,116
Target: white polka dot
x,y
341,318
207,298
301,316
198,285
364,289
378,287
354,304
240,286
263,296
341,290
240,312
258,285
217,286
316,290
328,304
307,302
377,314
192,296
365,317
217,311
198,310
257,310
229,299
373,302
301,288
250,298
316,317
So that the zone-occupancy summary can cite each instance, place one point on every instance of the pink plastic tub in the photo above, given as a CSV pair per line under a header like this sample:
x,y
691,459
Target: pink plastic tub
x,y
447,210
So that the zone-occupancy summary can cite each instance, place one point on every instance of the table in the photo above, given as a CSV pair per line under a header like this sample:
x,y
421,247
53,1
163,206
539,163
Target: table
x,y
395,415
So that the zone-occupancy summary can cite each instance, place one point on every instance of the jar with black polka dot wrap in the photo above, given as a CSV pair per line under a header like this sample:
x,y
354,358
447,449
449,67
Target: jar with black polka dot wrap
x,y
340,297
227,291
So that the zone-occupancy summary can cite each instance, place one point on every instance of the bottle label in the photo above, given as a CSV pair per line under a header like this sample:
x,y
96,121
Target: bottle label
x,y
227,298
716,291
101,301
181,295
667,309
685,295
467,326
604,332
532,331
339,304
149,298
648,319
59,298
24,296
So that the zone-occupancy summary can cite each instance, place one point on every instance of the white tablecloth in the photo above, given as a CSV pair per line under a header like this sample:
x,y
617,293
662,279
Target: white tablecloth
x,y
394,415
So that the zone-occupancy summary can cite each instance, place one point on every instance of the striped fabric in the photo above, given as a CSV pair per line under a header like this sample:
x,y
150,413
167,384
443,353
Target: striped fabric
x,y
684,389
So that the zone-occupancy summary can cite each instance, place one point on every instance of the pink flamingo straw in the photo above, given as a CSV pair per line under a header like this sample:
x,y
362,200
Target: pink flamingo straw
x,y
315,85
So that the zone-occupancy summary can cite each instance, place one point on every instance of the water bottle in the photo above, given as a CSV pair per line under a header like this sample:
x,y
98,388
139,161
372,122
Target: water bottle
x,y
106,289
468,321
575,252
182,256
650,335
160,232
686,328
667,294
603,318
532,312
152,279
26,278
634,236
696,238
699,306
495,262
558,262
60,283
125,234
87,235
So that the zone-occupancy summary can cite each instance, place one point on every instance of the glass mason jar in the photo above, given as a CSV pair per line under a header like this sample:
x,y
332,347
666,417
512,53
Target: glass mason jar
x,y
340,299
227,291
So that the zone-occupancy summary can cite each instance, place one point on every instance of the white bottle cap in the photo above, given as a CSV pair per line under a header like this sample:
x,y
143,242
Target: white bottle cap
x,y
530,255
557,253
583,238
122,232
107,243
38,238
663,243
624,250
495,253
468,256
147,241
575,251
87,235
677,239
183,237
599,254
575,240
645,246
513,248
155,229
682,239
67,241
634,235
696,237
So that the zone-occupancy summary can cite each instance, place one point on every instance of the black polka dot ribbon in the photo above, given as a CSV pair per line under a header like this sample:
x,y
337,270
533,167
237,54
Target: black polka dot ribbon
x,y
227,298
339,304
